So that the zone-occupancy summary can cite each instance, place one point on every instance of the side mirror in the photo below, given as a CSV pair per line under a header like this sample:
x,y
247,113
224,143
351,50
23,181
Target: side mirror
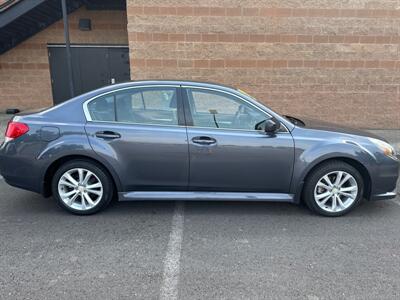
x,y
271,125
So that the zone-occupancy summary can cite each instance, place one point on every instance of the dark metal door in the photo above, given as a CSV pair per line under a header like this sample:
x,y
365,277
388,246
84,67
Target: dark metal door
x,y
93,67
59,74
118,64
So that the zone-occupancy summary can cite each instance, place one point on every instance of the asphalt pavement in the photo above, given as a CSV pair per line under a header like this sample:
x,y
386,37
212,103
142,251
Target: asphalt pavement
x,y
196,250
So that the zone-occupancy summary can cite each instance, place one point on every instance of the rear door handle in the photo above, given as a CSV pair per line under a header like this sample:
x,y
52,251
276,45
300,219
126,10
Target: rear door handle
x,y
108,135
204,140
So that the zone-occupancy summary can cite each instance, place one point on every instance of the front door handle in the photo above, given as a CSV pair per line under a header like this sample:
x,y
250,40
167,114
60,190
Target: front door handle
x,y
204,140
108,135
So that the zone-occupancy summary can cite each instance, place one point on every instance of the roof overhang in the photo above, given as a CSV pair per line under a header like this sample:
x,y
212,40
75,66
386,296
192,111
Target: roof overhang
x,y
21,19
5,4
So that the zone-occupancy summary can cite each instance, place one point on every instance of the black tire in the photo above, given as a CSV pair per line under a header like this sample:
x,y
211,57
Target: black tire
x,y
99,171
326,168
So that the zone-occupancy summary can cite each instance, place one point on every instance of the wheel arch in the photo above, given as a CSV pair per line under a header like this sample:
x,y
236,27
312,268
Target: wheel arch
x,y
52,168
366,176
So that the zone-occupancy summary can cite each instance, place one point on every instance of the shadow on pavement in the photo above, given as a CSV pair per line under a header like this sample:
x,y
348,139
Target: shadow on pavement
x,y
26,203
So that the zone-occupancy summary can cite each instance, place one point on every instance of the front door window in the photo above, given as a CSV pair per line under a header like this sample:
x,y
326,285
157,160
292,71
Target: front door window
x,y
213,109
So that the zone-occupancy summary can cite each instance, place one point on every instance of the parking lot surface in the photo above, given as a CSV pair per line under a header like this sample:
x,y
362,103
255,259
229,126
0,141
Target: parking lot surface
x,y
196,250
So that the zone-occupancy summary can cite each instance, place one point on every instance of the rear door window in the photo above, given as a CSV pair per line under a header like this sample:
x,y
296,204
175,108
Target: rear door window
x,y
149,105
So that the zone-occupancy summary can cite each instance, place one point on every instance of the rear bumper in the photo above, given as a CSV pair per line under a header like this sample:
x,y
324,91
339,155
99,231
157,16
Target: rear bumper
x,y
19,170
22,178
19,182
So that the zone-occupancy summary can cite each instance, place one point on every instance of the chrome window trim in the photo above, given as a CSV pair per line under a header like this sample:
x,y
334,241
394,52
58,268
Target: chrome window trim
x,y
86,103
137,124
89,118
240,98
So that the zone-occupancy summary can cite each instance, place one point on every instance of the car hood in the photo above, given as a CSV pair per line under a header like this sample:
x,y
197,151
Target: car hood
x,y
326,126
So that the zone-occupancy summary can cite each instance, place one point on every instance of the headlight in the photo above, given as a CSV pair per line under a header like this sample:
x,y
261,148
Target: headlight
x,y
386,148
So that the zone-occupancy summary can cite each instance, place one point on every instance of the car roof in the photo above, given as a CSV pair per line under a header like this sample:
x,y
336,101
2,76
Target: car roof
x,y
165,82
184,82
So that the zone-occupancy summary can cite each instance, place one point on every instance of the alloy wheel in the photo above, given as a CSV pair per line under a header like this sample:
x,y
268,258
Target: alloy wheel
x,y
80,189
336,191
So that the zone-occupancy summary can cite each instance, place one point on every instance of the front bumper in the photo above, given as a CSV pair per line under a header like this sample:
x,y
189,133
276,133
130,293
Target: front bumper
x,y
384,180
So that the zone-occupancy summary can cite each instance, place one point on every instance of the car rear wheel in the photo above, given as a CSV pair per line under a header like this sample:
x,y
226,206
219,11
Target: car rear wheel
x,y
333,189
82,187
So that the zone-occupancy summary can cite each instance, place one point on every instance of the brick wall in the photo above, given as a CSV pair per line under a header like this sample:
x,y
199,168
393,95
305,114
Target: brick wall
x,y
333,60
24,70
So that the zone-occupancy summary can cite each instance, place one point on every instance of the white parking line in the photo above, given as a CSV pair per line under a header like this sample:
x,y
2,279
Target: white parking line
x,y
169,287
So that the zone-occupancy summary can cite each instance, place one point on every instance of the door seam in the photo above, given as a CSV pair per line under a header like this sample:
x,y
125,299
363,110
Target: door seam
x,y
182,101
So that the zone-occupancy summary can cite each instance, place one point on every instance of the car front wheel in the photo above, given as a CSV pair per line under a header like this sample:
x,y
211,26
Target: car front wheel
x,y
333,189
82,187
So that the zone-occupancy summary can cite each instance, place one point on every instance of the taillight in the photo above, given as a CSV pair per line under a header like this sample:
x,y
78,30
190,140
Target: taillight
x,y
16,129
